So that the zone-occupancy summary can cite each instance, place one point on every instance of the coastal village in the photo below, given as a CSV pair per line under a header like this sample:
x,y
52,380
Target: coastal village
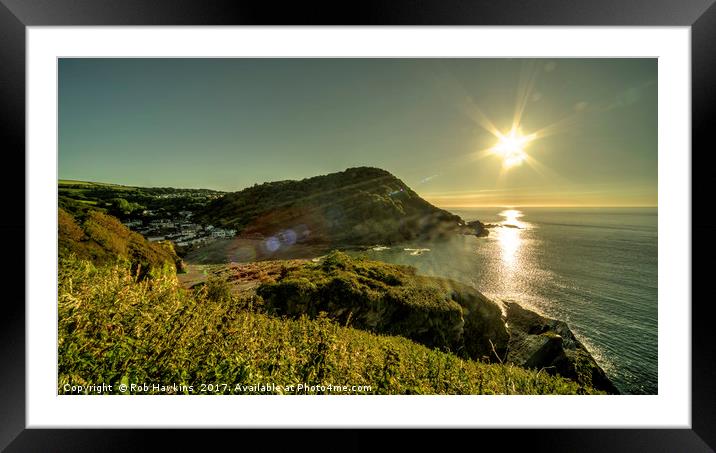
x,y
180,229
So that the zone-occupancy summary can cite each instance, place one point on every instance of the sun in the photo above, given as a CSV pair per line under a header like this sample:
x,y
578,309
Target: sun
x,y
511,147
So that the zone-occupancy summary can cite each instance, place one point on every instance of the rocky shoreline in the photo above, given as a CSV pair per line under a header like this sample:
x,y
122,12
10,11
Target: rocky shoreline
x,y
549,344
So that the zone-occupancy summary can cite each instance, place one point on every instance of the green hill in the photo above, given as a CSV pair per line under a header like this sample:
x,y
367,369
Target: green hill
x,y
101,238
436,312
116,330
394,300
361,205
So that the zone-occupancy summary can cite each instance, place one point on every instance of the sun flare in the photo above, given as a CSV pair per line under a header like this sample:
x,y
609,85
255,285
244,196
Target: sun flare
x,y
511,147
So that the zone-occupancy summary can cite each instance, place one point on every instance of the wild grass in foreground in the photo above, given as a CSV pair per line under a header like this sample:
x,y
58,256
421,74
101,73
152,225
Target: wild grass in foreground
x,y
114,329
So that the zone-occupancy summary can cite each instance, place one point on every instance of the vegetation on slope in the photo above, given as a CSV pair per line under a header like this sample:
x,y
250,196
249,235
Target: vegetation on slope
x,y
102,238
116,329
394,300
77,197
362,205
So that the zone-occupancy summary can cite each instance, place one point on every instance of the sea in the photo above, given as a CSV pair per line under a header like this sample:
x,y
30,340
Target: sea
x,y
594,268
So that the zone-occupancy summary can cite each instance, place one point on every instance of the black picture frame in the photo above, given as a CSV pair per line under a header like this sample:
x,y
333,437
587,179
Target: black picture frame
x,y
16,15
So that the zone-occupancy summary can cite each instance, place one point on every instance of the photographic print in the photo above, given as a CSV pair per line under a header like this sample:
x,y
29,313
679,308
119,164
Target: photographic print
x,y
356,226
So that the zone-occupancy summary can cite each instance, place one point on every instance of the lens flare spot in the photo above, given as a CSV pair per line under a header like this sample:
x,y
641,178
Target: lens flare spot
x,y
272,244
288,237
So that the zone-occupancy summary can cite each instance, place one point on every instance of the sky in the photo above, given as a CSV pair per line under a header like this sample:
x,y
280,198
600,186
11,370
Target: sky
x,y
589,125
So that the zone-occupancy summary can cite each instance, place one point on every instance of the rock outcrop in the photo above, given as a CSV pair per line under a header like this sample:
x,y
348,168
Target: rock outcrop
x,y
392,300
476,228
544,343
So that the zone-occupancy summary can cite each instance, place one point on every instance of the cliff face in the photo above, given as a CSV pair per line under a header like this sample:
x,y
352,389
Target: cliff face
x,y
549,344
362,205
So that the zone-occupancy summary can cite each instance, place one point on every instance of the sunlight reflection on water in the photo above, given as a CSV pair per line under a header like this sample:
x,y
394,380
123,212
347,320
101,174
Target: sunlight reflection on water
x,y
509,236
595,269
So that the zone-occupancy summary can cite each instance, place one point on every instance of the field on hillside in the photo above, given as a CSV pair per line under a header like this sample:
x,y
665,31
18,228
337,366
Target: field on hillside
x,y
127,201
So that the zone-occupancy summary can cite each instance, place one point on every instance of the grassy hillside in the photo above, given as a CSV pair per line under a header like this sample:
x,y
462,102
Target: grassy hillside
x,y
392,299
362,205
114,329
101,238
